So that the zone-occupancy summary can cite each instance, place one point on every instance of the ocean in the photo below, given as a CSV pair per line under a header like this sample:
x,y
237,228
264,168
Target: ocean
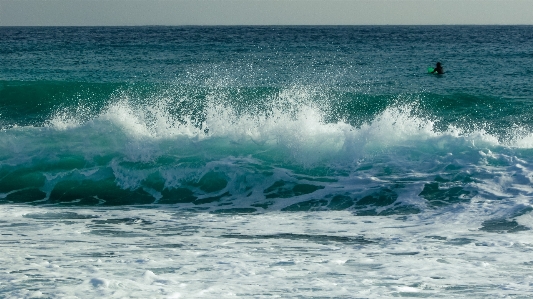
x,y
260,162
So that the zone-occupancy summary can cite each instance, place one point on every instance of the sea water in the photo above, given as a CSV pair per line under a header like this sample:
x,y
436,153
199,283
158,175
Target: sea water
x,y
259,162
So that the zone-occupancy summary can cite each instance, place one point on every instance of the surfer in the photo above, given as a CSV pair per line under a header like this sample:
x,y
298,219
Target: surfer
x,y
438,69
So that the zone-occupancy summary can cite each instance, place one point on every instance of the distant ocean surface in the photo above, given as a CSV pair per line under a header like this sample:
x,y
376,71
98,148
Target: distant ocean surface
x,y
259,162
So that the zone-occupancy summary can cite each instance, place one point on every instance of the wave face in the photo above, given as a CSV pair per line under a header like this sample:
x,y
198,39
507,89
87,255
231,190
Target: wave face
x,y
253,119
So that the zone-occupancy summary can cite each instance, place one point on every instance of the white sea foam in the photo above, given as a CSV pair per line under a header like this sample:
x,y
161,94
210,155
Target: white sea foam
x,y
293,121
173,254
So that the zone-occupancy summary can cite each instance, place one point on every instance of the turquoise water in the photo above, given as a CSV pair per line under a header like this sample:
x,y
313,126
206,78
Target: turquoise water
x,y
261,116
261,121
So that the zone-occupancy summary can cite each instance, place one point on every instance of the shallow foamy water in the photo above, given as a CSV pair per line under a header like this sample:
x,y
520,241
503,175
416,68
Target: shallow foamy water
x,y
165,253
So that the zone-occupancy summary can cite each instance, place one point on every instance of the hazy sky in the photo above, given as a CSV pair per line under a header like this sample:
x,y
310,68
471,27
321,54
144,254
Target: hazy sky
x,y
263,12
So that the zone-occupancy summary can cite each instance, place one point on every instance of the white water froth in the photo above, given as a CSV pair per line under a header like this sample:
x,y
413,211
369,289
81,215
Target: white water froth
x,y
293,122
165,253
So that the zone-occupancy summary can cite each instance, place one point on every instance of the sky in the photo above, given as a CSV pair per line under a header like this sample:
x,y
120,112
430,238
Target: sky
x,y
263,12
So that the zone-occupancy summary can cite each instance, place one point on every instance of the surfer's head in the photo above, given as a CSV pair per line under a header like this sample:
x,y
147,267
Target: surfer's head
x,y
438,64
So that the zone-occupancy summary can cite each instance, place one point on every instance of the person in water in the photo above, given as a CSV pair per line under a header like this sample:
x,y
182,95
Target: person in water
x,y
438,69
